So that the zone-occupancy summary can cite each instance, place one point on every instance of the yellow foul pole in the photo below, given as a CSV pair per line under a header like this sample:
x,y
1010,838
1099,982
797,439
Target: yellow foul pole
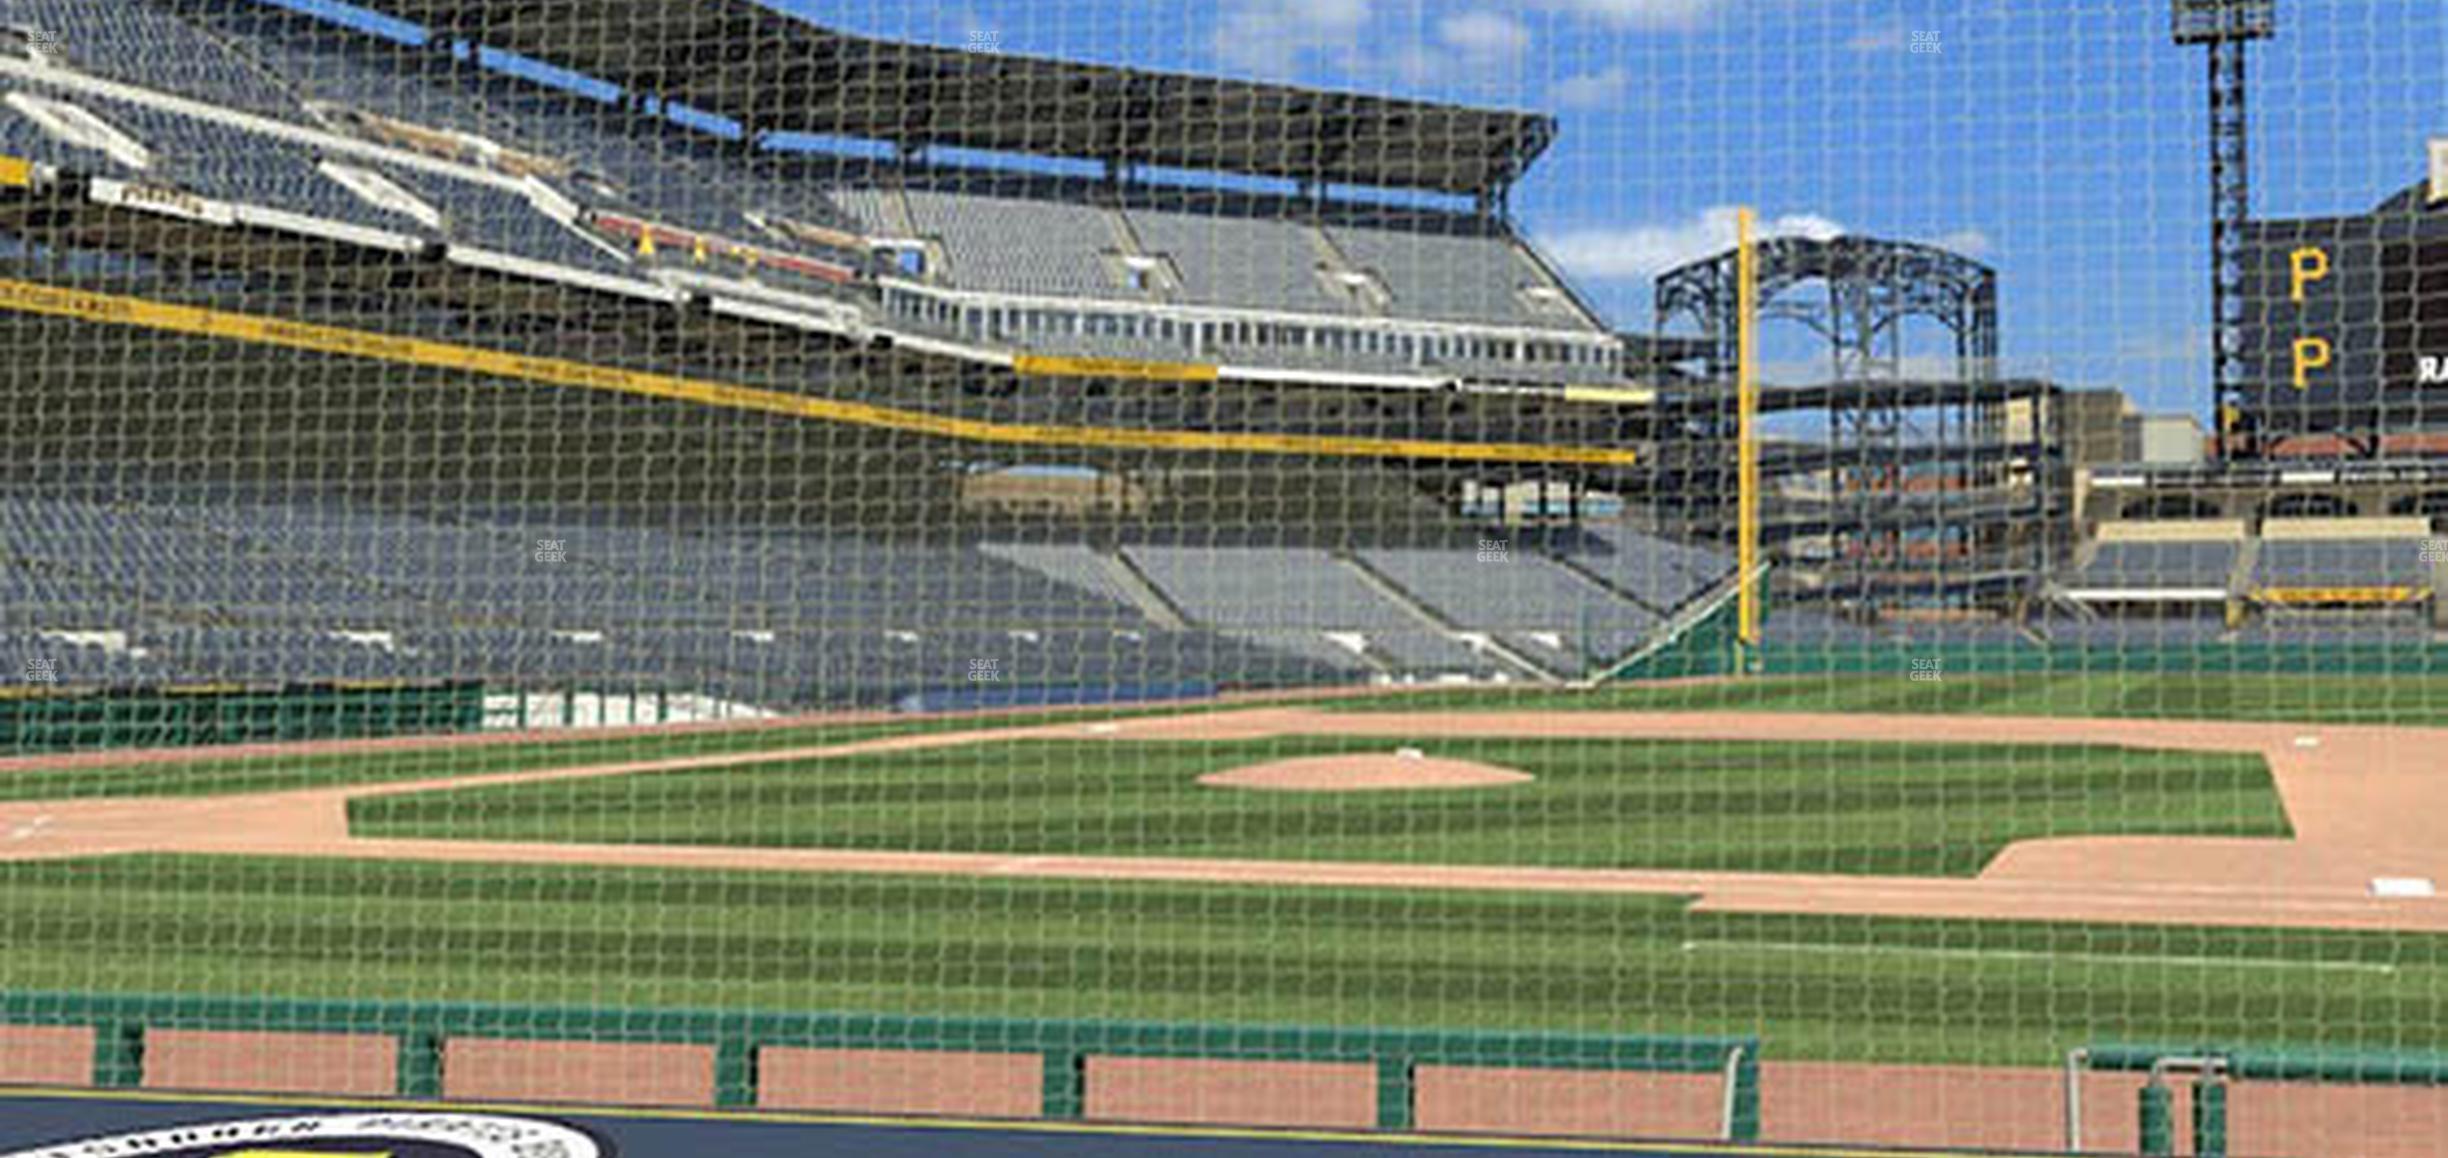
x,y
1746,411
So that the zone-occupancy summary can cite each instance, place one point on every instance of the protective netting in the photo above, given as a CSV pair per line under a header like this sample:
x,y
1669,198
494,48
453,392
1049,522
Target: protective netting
x,y
1637,568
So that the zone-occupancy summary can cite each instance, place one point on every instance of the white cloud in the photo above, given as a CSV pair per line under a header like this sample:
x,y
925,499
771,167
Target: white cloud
x,y
1484,35
1605,88
1968,242
2186,347
1274,38
1641,252
1637,13
1372,43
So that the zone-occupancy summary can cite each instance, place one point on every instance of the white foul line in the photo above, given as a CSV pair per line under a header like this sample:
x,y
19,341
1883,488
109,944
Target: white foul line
x,y
2379,967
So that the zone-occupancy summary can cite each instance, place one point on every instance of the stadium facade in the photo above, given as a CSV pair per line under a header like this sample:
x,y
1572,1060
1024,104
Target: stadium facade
x,y
360,359
691,359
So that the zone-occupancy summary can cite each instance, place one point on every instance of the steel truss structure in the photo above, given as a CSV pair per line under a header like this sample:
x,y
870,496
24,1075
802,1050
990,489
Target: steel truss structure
x,y
1922,486
2226,28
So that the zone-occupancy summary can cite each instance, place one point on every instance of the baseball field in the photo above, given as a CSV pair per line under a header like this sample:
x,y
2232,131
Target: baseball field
x,y
1857,871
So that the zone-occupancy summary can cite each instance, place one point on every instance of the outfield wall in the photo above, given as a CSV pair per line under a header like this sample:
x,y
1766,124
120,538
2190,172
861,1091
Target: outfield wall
x,y
1710,649
36,721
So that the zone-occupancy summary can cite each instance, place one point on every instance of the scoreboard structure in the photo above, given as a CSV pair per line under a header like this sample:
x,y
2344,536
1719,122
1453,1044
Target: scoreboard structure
x,y
2344,320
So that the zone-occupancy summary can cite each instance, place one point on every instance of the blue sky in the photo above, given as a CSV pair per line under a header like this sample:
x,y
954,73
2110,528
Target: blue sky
x,y
2060,140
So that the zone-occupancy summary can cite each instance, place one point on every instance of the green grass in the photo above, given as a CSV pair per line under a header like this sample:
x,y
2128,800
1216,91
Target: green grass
x,y
2400,699
2366,699
1912,809
1815,987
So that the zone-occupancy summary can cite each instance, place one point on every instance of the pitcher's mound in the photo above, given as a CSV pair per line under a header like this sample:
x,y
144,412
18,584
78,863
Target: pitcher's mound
x,y
1402,770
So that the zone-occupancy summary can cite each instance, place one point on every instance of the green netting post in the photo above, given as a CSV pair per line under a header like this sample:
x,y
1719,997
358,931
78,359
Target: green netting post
x,y
418,1071
735,1072
1066,1085
2210,1117
1743,1121
1397,1093
2158,1118
118,1055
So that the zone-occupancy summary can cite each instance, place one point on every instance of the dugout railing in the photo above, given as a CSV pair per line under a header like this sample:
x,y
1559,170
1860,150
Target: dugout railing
x,y
421,1031
2213,1068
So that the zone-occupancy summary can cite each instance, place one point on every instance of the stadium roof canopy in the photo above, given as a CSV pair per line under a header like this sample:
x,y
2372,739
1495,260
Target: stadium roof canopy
x,y
773,72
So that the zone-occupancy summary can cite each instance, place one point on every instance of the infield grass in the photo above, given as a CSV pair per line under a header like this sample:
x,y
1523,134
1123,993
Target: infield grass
x,y
1816,987
1857,807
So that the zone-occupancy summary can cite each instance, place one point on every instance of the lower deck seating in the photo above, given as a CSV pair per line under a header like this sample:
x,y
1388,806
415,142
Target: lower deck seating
x,y
125,584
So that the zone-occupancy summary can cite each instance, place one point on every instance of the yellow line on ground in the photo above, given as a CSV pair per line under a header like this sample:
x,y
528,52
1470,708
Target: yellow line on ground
x,y
1044,366
1034,1126
113,309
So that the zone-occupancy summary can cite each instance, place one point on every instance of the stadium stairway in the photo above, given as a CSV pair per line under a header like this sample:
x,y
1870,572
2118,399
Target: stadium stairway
x,y
1490,643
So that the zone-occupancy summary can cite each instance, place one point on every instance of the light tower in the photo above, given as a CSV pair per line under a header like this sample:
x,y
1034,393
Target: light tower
x,y
2227,27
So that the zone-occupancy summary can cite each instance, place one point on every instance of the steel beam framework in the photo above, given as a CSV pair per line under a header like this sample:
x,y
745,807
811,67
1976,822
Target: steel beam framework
x,y
1899,421
2227,28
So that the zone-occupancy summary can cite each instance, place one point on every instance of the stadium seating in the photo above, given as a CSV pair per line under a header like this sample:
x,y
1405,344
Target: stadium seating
x,y
1035,235
2329,631
657,176
639,166
1254,262
2173,564
876,212
2341,563
1308,645
30,656
2136,632
643,171
1020,245
248,584
1446,270
499,220
1659,573
20,136
1429,653
1246,588
1077,566
138,42
229,164
352,70
239,587
1522,592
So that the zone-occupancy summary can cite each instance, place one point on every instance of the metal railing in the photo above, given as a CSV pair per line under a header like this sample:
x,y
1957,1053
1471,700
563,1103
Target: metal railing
x,y
2215,1067
422,1030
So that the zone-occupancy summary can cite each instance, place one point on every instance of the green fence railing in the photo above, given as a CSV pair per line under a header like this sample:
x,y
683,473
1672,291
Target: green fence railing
x,y
423,1030
2214,1066
1706,649
36,719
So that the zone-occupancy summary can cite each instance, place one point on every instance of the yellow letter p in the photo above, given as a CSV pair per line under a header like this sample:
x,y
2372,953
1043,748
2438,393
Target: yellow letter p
x,y
2310,354
2305,266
